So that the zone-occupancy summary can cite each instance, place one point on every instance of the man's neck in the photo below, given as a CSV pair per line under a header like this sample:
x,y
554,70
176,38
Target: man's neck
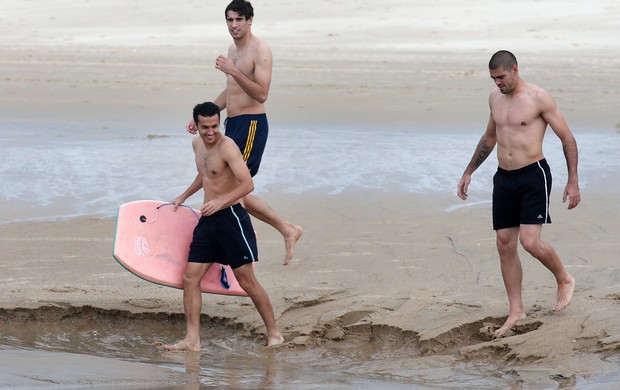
x,y
519,87
241,42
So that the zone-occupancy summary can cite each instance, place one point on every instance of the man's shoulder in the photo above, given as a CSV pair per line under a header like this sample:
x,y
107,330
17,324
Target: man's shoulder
x,y
494,96
196,140
227,149
255,48
260,45
259,41
226,143
538,95
531,87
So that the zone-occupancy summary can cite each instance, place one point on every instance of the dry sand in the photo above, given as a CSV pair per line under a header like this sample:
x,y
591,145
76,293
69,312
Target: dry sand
x,y
368,61
368,263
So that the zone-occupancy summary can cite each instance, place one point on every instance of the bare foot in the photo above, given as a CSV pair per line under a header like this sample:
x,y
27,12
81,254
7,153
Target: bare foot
x,y
275,340
565,295
290,241
183,346
510,321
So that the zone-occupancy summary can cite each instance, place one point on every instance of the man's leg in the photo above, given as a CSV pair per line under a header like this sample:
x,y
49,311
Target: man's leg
x,y
261,210
544,252
512,274
247,281
192,305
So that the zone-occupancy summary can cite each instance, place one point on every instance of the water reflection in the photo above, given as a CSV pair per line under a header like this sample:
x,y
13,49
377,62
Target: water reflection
x,y
230,360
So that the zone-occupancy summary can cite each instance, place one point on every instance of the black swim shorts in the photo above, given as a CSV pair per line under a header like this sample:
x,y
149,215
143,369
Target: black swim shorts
x,y
226,237
249,131
521,196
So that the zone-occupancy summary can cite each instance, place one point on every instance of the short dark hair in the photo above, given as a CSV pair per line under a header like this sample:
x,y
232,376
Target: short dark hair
x,y
502,59
242,7
206,109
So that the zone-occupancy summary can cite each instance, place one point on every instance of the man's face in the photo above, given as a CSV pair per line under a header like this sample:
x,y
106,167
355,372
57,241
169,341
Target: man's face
x,y
209,128
504,79
238,26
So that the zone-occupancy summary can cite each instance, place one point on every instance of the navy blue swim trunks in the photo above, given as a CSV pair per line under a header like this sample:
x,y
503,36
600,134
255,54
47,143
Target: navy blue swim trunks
x,y
226,237
249,131
521,196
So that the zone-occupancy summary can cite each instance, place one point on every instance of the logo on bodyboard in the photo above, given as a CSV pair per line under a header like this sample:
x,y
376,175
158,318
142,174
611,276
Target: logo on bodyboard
x,y
141,246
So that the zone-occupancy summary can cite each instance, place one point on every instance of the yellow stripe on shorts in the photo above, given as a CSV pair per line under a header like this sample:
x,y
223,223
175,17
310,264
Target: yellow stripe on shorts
x,y
250,141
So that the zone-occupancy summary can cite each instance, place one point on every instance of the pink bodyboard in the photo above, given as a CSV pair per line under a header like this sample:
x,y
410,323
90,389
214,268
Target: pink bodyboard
x,y
152,242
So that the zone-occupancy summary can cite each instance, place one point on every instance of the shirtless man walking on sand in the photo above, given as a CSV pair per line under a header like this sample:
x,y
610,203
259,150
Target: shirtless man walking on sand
x,y
224,233
248,70
520,113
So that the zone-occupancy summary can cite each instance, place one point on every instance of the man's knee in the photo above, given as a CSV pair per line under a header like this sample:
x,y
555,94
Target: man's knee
x,y
532,245
193,275
188,279
530,239
245,277
506,245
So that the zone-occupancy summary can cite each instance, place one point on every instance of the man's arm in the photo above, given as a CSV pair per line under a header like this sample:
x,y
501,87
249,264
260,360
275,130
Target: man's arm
x,y
483,150
195,186
258,87
221,100
552,115
191,190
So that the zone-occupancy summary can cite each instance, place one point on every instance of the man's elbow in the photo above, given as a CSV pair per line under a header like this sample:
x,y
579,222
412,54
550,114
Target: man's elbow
x,y
261,97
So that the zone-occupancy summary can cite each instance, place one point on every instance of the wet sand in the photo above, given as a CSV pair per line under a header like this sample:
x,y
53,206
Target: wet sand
x,y
369,264
368,268
65,369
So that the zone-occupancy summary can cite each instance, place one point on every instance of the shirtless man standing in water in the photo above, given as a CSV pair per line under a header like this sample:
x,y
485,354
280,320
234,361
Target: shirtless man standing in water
x,y
224,233
520,113
248,70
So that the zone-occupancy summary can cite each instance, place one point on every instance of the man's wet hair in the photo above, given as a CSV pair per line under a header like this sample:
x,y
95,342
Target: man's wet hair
x,y
206,109
242,7
502,59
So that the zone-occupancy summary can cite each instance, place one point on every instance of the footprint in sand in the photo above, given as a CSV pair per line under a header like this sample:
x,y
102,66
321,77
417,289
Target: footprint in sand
x,y
148,303
65,290
487,331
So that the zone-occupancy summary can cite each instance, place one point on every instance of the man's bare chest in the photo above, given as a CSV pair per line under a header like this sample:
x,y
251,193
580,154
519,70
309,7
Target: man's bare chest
x,y
244,62
514,113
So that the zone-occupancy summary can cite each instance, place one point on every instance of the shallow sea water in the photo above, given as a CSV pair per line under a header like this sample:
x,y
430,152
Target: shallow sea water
x,y
62,351
92,172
